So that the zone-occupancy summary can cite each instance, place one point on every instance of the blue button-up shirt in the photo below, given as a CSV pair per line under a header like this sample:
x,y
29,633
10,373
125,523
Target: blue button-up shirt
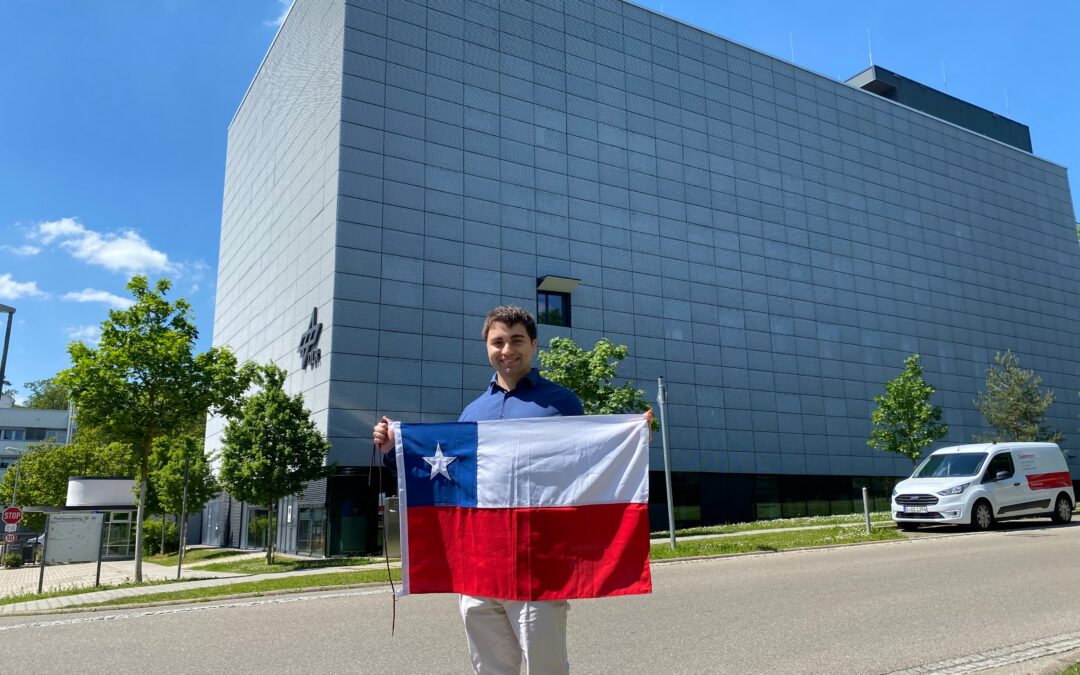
x,y
533,396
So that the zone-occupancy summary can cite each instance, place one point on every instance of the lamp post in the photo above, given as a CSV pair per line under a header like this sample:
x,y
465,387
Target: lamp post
x,y
10,311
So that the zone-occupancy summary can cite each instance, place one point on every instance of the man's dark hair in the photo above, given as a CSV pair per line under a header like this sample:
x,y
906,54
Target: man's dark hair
x,y
509,316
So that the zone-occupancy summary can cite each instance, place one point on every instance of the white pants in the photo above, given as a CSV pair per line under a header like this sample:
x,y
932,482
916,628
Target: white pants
x,y
502,632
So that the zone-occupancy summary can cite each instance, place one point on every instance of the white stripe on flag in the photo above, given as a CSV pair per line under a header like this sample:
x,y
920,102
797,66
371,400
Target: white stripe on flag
x,y
562,461
403,505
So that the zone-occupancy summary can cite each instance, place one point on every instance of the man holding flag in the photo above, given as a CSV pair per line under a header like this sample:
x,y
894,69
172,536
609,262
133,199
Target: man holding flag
x,y
502,632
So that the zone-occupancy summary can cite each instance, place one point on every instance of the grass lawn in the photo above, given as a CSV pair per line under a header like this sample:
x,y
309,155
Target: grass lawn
x,y
1072,670
772,541
283,564
193,555
308,581
811,521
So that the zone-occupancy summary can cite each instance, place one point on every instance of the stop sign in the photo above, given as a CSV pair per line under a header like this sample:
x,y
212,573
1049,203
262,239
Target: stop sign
x,y
12,515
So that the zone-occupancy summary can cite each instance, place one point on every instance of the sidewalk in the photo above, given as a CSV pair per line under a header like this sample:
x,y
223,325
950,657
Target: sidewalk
x,y
24,580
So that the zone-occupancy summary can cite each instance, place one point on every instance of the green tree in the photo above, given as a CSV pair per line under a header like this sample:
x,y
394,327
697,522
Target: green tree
x,y
46,394
589,373
167,475
272,448
1013,404
904,421
145,380
44,469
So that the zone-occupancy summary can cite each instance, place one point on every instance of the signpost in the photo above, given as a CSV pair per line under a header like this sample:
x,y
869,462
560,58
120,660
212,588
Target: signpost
x,y
12,515
70,537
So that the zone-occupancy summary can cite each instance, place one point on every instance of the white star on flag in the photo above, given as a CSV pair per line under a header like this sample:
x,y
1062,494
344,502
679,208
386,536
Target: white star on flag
x,y
439,463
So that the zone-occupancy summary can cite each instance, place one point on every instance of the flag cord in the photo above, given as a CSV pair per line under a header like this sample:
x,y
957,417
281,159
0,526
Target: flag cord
x,y
386,550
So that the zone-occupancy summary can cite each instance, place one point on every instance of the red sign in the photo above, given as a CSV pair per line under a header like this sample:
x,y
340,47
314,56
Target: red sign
x,y
10,538
12,515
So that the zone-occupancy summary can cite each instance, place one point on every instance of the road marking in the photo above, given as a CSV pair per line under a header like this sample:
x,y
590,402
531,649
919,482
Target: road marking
x,y
193,608
998,657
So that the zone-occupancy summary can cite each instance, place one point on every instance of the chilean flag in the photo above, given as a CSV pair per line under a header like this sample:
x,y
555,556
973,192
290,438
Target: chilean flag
x,y
549,508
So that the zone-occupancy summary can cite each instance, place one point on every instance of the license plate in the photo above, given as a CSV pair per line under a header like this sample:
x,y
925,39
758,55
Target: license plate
x,y
914,509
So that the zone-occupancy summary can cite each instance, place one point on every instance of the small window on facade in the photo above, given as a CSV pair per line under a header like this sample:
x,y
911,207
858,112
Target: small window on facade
x,y
35,434
553,299
553,309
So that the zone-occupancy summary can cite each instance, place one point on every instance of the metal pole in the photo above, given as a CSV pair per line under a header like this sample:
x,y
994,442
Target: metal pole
x,y
15,488
661,400
101,540
866,507
7,337
183,518
71,412
44,547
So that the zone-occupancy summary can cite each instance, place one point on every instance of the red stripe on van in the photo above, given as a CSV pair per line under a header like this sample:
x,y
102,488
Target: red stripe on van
x,y
1046,481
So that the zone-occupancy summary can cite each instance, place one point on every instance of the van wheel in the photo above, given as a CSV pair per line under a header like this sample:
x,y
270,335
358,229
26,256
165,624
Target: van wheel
x,y
982,516
1062,510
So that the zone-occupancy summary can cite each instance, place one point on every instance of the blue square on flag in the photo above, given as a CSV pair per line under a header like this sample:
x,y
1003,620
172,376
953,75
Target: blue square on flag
x,y
440,463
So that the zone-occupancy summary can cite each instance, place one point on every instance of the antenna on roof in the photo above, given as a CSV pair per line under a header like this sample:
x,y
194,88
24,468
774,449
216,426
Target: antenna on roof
x,y
869,49
943,78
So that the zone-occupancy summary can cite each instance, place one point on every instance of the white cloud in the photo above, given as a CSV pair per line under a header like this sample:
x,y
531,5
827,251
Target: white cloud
x,y
91,335
285,5
13,290
47,232
94,295
124,252
22,250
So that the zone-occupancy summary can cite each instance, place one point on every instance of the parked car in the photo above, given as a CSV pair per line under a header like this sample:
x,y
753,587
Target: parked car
x,y
982,483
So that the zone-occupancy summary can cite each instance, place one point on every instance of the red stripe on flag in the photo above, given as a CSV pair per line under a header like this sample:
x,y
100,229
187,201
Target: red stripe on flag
x,y
558,553
1046,481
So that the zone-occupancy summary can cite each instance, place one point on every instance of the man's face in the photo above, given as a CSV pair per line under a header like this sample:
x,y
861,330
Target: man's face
x,y
510,352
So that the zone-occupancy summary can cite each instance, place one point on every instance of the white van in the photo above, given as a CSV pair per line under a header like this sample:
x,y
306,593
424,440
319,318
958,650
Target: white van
x,y
982,483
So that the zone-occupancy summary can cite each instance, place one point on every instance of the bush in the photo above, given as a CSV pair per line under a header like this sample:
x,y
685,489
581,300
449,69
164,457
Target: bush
x,y
13,560
152,537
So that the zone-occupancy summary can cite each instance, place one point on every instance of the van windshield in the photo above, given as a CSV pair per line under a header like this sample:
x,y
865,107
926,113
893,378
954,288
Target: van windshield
x,y
946,466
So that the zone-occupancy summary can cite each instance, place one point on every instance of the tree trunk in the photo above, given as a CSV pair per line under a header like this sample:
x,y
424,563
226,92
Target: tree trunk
x,y
269,532
139,526
162,534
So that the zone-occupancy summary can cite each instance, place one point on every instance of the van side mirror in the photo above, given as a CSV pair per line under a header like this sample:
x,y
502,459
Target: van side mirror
x,y
1001,475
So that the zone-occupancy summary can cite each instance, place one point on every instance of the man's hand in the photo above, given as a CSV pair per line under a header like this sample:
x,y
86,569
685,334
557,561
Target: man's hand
x,y
382,435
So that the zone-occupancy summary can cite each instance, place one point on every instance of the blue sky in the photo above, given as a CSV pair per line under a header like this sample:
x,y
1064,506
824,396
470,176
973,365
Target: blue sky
x,y
114,120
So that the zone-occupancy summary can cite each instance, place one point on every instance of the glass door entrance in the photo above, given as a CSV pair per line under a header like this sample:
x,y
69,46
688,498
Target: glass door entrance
x,y
311,531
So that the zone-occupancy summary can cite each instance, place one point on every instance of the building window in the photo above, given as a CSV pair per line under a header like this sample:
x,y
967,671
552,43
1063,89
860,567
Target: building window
x,y
11,434
35,434
553,300
553,309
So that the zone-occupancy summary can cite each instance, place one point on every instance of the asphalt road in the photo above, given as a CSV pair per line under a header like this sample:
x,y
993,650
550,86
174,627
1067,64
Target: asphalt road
x,y
865,609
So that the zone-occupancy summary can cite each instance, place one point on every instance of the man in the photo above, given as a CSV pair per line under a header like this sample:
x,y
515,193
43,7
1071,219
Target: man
x,y
503,632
